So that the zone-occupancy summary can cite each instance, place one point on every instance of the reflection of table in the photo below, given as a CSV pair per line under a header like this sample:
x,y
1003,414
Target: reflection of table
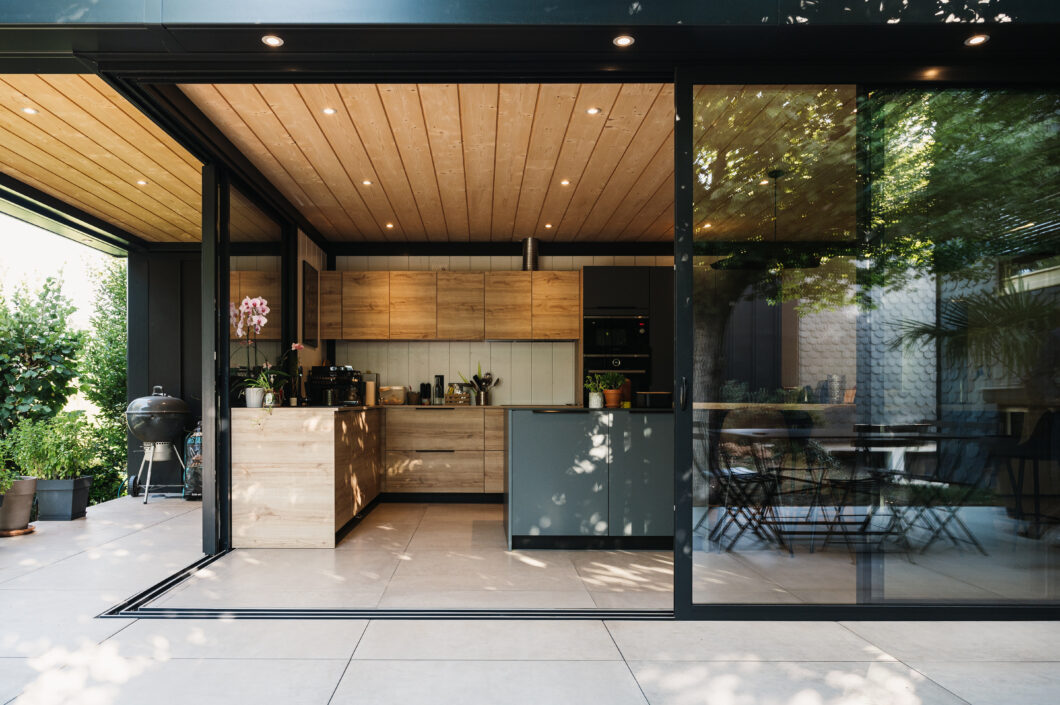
x,y
729,406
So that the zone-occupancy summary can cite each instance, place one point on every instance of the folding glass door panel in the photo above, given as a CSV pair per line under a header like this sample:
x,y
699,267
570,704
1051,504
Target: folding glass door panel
x,y
874,336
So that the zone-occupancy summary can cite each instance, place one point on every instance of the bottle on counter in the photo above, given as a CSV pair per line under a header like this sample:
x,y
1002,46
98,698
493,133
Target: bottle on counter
x,y
438,398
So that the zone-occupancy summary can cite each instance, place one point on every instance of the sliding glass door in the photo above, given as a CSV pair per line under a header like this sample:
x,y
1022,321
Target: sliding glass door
x,y
871,283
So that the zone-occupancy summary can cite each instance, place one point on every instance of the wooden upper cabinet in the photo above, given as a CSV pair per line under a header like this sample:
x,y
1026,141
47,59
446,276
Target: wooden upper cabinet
x,y
461,305
365,305
556,305
267,286
413,305
330,307
508,306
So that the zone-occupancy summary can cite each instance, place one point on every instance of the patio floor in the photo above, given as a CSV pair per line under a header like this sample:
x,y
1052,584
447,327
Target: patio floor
x,y
53,650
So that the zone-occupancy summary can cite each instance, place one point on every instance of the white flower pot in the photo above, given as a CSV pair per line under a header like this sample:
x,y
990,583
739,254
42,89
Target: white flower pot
x,y
596,400
254,397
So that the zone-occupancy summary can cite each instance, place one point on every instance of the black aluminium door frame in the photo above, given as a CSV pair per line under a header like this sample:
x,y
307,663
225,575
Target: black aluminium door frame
x,y
685,80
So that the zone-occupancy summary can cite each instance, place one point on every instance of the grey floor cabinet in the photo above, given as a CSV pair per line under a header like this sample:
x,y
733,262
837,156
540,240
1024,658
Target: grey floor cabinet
x,y
590,473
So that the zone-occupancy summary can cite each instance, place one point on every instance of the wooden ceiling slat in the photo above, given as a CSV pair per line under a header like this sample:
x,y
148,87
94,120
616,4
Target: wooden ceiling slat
x,y
516,106
320,155
405,116
441,114
554,107
580,141
478,127
371,129
659,173
630,138
661,200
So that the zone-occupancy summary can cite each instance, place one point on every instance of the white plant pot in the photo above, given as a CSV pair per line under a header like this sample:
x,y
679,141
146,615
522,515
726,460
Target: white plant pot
x,y
596,400
254,397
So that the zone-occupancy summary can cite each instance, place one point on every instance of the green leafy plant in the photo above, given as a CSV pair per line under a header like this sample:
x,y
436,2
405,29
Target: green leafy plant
x,y
52,449
612,380
268,379
593,384
7,477
38,350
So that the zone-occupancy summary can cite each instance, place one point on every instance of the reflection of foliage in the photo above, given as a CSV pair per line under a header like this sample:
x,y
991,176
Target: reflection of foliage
x,y
1008,329
896,11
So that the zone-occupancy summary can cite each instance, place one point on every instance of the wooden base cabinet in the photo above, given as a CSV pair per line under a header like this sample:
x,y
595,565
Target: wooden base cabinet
x,y
434,471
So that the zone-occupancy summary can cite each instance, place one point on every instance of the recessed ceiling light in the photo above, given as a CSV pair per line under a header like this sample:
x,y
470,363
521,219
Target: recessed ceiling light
x,y
977,40
565,182
763,182
593,111
548,226
328,111
390,225
931,73
623,40
141,182
29,111
271,40
366,182
706,225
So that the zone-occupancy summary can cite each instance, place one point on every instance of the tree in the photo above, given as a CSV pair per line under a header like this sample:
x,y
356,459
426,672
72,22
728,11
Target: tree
x,y
38,353
103,379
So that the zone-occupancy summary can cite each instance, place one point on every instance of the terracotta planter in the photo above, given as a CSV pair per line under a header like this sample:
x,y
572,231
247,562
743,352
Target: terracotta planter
x,y
62,500
17,503
612,398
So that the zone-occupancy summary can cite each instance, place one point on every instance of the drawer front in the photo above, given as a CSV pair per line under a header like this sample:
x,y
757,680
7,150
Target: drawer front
x,y
494,424
495,470
427,428
438,471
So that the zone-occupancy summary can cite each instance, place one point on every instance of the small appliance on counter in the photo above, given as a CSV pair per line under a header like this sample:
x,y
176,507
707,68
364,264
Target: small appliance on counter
x,y
392,396
335,386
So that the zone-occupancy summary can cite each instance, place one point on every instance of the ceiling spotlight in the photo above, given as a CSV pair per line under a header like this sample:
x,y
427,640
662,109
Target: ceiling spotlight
x,y
548,226
328,111
271,40
389,225
977,40
706,225
763,182
141,182
565,182
366,182
29,111
593,111
623,40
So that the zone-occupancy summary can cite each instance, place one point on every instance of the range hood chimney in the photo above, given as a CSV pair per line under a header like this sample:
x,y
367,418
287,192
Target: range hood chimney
x,y
530,254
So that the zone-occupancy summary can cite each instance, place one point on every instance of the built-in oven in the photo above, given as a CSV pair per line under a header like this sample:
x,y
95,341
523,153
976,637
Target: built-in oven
x,y
616,335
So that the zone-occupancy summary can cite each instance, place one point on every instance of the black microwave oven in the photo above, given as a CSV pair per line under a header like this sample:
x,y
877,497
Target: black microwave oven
x,y
616,335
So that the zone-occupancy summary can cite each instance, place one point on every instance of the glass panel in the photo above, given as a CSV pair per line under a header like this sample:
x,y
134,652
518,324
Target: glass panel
x,y
875,334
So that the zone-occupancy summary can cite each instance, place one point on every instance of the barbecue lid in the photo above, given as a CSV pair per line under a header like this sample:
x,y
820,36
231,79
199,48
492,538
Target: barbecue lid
x,y
158,403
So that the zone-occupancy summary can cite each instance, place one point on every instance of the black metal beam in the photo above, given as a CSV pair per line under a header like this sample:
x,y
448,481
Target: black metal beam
x,y
289,267
500,249
26,203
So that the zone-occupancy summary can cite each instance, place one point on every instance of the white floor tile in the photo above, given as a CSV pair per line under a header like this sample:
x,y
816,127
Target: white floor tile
x,y
986,683
14,674
963,641
33,622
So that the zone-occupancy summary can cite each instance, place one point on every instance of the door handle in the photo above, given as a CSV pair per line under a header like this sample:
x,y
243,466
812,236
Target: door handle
x,y
684,393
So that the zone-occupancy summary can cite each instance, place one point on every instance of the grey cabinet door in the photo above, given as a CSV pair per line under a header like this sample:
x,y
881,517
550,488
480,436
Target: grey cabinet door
x,y
642,474
558,469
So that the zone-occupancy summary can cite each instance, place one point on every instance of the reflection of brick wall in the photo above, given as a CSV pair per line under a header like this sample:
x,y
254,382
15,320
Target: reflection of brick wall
x,y
896,385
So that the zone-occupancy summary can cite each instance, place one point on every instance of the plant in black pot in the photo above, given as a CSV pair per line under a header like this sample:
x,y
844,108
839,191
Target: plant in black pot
x,y
56,452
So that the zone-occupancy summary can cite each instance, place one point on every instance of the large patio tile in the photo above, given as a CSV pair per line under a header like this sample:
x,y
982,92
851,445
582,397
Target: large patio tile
x,y
423,596
991,683
298,569
33,622
113,567
963,641
487,683
14,674
241,638
632,600
107,675
741,641
787,683
625,571
222,598
482,640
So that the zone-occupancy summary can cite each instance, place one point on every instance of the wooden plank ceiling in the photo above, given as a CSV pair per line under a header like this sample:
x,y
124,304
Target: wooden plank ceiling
x,y
742,133
76,139
447,162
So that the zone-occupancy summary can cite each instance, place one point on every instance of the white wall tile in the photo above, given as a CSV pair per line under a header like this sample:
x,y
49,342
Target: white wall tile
x,y
459,263
625,261
458,357
540,373
645,260
664,261
439,361
419,262
480,263
563,364
603,261
500,364
478,353
376,360
515,262
397,262
546,263
419,364
563,263
582,261
438,262
500,264
397,364
378,264
520,392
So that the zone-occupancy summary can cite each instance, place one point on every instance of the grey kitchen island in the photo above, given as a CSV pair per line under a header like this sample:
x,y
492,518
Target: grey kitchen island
x,y
589,478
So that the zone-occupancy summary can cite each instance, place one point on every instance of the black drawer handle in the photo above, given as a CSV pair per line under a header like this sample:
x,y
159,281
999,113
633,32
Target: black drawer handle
x,y
559,411
434,408
418,450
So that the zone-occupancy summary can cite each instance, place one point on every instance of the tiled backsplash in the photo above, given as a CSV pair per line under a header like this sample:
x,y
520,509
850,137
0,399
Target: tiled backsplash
x,y
530,373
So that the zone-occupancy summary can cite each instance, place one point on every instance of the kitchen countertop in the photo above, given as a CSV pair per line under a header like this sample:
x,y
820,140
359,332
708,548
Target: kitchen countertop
x,y
502,407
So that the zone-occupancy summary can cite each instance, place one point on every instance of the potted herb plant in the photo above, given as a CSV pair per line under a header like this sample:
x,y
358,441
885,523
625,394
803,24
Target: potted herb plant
x,y
16,497
612,387
263,390
57,453
595,387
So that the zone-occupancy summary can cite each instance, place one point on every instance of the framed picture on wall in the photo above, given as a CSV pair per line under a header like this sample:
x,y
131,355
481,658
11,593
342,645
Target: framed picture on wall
x,y
310,289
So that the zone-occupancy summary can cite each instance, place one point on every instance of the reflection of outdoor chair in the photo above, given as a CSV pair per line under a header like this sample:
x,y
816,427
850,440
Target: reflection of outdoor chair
x,y
1019,458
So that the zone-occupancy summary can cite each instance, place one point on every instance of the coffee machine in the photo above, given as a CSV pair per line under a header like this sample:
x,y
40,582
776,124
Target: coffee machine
x,y
335,386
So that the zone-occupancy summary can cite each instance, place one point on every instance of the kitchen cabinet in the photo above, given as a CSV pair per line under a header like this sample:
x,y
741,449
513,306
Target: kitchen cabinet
x,y
494,471
461,305
434,471
641,474
558,473
556,305
616,291
508,302
330,306
434,428
413,305
365,305
244,283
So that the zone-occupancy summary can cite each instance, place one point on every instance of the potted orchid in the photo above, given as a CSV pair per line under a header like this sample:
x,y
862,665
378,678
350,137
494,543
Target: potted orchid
x,y
262,390
248,319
